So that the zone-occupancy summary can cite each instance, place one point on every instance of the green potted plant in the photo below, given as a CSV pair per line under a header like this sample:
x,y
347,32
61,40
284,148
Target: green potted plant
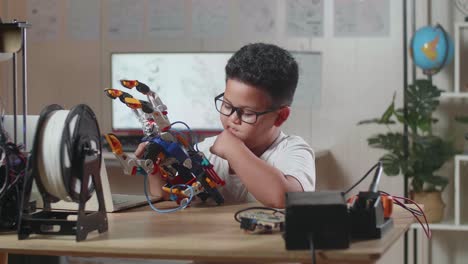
x,y
426,152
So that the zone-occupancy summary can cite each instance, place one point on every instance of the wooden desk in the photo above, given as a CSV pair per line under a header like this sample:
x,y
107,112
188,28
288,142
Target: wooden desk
x,y
197,233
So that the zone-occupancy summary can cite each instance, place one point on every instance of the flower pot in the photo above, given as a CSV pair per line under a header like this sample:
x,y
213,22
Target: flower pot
x,y
433,205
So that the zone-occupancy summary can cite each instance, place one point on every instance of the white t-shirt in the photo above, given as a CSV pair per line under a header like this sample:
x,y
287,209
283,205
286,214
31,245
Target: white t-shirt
x,y
290,154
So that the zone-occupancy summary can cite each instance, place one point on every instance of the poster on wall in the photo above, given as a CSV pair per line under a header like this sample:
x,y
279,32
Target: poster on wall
x,y
362,18
125,19
43,16
84,19
304,18
257,18
308,93
210,18
166,18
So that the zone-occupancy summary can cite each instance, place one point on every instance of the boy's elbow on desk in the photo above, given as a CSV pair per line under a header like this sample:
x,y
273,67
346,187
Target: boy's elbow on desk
x,y
274,195
277,200
276,203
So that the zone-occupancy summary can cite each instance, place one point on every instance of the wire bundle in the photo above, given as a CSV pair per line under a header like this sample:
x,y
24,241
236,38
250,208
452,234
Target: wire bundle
x,y
12,171
417,213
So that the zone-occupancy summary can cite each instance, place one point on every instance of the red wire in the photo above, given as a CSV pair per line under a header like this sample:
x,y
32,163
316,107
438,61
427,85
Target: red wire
x,y
415,213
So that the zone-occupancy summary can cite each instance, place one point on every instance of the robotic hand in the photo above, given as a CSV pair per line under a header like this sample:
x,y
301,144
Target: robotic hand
x,y
186,170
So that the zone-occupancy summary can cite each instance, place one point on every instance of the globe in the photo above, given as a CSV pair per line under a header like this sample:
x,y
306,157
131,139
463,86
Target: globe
x,y
431,49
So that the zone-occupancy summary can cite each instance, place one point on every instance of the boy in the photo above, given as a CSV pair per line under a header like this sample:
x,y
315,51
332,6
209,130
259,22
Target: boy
x,y
255,158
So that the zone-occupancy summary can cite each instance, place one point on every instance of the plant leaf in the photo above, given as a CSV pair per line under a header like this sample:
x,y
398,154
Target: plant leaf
x,y
429,153
370,121
400,115
391,164
392,142
425,125
385,118
389,112
423,99
437,180
462,119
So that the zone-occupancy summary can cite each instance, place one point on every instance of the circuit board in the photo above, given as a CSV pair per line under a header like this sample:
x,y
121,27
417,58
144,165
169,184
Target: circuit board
x,y
261,222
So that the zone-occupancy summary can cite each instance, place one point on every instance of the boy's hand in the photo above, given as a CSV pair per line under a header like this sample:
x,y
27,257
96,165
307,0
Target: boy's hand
x,y
155,180
140,149
225,142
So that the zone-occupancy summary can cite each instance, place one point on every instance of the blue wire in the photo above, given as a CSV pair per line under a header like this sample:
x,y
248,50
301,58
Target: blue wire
x,y
182,206
164,211
189,130
183,123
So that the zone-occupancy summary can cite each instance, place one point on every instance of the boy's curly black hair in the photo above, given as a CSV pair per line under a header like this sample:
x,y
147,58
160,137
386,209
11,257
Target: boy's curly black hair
x,y
267,67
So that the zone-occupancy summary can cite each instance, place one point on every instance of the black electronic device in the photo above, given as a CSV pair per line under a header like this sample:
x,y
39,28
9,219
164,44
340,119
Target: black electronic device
x,y
367,217
367,212
316,220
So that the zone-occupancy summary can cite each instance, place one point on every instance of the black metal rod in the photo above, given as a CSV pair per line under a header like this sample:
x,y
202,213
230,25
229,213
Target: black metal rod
x,y
429,12
415,246
405,113
15,96
413,29
25,86
405,83
413,70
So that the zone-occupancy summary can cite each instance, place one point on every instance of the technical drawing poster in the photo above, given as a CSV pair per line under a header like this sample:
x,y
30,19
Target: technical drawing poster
x,y
125,19
257,17
84,19
308,92
166,18
210,18
362,18
304,18
43,16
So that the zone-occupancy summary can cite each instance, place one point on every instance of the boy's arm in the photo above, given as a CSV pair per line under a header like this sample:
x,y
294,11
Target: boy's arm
x,y
265,182
155,186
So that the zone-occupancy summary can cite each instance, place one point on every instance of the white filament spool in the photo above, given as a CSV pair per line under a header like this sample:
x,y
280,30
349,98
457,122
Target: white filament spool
x,y
50,152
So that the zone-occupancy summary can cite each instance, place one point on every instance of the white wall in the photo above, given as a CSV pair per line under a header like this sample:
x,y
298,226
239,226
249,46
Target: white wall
x,y
359,77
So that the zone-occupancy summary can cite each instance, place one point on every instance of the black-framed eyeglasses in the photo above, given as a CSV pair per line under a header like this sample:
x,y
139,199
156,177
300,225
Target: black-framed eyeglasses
x,y
245,115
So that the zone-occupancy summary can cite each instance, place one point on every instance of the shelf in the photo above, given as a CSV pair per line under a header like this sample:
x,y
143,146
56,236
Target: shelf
x,y
461,157
454,95
443,226
461,25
